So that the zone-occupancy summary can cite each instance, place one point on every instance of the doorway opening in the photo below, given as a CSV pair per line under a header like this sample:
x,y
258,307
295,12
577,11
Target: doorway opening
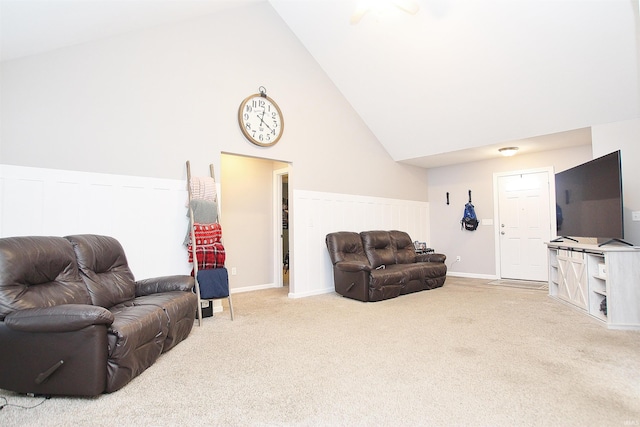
x,y
252,193
281,226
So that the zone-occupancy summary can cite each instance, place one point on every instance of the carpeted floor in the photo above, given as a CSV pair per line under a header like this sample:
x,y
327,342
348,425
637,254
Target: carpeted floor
x,y
467,354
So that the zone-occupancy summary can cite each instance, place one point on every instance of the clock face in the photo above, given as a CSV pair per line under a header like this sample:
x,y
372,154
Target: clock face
x,y
261,120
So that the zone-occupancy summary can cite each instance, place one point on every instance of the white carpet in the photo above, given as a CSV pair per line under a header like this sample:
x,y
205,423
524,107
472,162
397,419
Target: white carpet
x,y
467,354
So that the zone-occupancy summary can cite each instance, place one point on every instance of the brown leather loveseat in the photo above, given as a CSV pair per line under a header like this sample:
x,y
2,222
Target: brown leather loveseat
x,y
73,320
378,265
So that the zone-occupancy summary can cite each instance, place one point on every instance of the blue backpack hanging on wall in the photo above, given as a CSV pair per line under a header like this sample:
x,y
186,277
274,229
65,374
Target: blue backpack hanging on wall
x,y
469,220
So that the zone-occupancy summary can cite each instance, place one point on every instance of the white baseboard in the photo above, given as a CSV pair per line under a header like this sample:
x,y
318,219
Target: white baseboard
x,y
290,294
473,275
311,293
253,288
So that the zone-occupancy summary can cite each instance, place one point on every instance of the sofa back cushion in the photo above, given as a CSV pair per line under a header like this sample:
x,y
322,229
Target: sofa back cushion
x,y
404,249
38,272
378,248
104,269
345,246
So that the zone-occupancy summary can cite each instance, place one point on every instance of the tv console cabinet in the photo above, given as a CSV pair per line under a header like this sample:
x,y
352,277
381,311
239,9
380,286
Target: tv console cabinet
x,y
602,281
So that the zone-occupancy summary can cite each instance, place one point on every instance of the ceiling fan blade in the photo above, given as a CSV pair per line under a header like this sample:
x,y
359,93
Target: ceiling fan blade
x,y
409,6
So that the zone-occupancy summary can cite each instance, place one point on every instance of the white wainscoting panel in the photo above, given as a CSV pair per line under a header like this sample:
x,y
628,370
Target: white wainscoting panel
x,y
146,215
316,214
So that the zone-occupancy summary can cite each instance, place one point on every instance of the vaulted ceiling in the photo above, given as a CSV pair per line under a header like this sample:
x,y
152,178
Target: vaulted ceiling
x,y
449,84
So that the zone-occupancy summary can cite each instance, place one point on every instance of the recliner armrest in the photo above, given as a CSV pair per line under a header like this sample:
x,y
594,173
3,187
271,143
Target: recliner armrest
x,y
431,257
352,266
59,318
158,285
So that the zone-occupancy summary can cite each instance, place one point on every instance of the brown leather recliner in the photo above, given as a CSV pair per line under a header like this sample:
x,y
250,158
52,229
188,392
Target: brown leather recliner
x,y
73,321
377,265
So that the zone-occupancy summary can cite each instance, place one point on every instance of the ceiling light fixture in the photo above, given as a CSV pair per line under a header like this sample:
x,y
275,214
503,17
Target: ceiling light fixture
x,y
364,6
508,151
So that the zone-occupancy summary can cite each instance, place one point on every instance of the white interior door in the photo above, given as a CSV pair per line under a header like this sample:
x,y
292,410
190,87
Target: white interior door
x,y
524,224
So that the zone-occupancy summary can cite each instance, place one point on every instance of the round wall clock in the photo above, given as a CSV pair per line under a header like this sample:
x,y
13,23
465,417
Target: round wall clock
x,y
260,119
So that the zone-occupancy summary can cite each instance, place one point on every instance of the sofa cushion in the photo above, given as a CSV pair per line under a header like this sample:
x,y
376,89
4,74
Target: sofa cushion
x,y
180,308
424,270
403,246
136,339
38,272
388,276
104,269
386,283
378,248
345,246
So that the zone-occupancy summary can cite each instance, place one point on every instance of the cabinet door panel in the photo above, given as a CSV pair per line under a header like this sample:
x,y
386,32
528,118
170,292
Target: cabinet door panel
x,y
572,286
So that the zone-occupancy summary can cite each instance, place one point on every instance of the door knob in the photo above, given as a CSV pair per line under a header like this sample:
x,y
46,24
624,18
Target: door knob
x,y
502,232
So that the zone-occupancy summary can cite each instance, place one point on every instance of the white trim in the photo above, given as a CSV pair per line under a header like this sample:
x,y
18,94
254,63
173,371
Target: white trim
x,y
274,285
277,225
312,293
472,275
253,288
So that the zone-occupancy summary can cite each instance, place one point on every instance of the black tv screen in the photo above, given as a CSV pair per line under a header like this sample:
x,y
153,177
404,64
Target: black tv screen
x,y
589,199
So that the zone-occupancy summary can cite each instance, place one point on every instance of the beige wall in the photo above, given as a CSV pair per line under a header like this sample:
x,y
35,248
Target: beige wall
x,y
477,249
142,103
623,136
247,218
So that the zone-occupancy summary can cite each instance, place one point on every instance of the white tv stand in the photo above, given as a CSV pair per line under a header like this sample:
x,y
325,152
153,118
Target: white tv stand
x,y
585,275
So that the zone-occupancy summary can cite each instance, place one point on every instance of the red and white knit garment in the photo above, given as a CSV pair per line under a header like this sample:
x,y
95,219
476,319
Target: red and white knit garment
x,y
210,252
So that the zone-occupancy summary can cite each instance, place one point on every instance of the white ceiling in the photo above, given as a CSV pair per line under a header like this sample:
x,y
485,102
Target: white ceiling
x,y
450,84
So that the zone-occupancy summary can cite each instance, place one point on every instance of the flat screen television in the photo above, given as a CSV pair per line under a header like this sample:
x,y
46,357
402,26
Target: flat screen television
x,y
589,200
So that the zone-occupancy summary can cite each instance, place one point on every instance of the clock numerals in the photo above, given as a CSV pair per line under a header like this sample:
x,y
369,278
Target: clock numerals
x,y
258,103
260,120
